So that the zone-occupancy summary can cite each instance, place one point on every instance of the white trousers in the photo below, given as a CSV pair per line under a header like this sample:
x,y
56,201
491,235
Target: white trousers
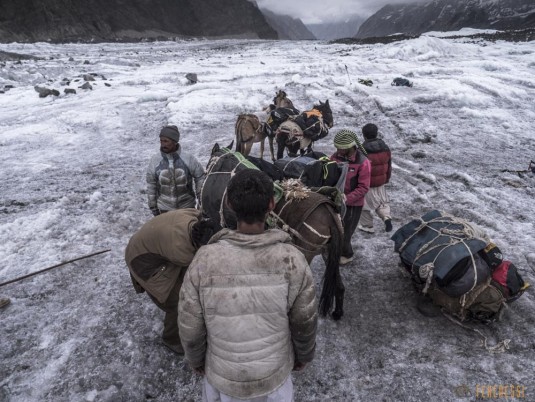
x,y
282,394
377,201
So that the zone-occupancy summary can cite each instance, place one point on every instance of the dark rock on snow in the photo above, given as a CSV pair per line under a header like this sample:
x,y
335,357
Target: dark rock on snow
x,y
44,92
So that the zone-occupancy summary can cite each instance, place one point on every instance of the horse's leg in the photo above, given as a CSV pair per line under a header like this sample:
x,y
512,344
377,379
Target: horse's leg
x,y
333,259
270,141
237,129
262,142
281,144
339,295
320,228
246,148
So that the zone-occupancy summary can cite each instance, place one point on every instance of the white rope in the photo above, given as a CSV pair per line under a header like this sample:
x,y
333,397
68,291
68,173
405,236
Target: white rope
x,y
455,237
315,231
426,272
499,347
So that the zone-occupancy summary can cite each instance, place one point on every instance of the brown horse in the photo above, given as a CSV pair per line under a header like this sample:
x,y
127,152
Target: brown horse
x,y
282,100
312,222
249,129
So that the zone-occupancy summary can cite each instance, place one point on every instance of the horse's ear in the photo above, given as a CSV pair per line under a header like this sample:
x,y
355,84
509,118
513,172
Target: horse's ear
x,y
327,102
321,103
215,148
230,145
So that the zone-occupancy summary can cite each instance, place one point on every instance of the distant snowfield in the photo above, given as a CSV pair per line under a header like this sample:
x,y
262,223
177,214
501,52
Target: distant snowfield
x,y
464,31
72,183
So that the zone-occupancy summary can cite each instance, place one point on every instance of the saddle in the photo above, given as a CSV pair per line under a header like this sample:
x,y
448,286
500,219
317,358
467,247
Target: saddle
x,y
311,122
295,217
290,130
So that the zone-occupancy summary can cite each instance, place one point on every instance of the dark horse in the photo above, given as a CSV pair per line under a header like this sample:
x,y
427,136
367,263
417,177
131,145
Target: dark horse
x,y
312,222
297,134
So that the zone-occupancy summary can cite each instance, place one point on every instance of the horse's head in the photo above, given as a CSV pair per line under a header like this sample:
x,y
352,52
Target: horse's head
x,y
326,112
281,100
217,151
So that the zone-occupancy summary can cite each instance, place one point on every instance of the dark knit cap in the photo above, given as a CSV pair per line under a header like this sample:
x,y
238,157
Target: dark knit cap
x,y
369,131
170,132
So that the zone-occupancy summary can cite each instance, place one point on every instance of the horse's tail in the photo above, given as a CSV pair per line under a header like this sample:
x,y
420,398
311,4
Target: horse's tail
x,y
332,268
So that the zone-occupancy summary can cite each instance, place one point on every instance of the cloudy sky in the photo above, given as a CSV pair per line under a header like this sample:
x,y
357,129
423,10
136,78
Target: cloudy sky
x,y
315,11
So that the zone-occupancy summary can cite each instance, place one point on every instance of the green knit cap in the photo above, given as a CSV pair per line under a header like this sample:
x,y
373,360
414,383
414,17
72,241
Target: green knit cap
x,y
345,139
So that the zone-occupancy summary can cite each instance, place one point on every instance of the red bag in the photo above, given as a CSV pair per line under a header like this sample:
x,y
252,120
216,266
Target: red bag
x,y
509,280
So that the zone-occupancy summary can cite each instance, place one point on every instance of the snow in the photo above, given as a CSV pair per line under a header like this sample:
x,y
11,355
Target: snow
x,y
72,183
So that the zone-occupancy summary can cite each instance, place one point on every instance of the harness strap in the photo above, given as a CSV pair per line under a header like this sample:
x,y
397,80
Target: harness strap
x,y
295,233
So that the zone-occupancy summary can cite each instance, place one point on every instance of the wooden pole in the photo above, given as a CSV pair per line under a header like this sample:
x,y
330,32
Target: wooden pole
x,y
52,267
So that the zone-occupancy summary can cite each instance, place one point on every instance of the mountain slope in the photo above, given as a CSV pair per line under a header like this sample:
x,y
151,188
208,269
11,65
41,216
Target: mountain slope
x,y
336,30
288,27
449,15
71,20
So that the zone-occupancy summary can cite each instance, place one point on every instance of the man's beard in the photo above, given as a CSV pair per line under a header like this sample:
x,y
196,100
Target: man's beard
x,y
166,151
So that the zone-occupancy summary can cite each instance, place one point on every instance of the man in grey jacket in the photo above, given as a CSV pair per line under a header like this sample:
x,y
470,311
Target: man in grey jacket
x,y
247,309
170,175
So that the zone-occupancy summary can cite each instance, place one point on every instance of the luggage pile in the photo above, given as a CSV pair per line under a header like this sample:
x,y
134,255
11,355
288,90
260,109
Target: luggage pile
x,y
457,266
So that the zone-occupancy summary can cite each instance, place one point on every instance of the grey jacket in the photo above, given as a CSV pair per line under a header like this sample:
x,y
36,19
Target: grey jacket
x,y
170,180
247,311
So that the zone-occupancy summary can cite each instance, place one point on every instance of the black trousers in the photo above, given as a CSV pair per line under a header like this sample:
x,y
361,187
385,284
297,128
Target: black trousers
x,y
351,220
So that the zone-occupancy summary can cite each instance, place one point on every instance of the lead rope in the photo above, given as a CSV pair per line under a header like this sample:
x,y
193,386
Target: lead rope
x,y
499,347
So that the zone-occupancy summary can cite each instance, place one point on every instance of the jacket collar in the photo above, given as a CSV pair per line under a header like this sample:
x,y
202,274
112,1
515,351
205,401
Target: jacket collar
x,y
271,236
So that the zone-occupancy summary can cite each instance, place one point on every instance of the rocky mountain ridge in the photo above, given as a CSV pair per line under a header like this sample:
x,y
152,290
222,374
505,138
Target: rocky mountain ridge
x,y
449,15
129,20
336,30
288,27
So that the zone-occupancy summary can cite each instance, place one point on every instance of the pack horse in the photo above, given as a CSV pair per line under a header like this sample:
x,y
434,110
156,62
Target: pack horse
x,y
312,222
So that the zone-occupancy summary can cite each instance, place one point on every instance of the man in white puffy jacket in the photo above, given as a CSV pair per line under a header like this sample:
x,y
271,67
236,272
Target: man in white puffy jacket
x,y
171,174
247,309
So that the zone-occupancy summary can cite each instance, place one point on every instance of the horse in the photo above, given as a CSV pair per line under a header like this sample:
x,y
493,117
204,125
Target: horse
x,y
298,134
282,100
249,129
316,229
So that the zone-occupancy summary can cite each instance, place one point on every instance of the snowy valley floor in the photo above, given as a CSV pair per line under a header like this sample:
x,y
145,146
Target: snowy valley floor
x,y
72,183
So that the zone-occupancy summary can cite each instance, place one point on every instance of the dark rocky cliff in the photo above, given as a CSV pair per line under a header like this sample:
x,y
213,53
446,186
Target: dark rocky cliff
x,y
449,15
102,20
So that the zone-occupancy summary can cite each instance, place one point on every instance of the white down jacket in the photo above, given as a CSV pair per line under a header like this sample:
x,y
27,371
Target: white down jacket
x,y
170,180
247,311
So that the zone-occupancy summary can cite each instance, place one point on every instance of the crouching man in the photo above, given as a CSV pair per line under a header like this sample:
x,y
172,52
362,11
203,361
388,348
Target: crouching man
x,y
158,256
247,310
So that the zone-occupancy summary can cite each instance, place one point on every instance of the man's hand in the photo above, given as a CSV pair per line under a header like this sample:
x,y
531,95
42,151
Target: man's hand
x,y
199,370
298,366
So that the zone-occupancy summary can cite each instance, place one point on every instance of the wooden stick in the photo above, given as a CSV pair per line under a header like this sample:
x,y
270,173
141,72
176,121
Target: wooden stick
x,y
52,267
